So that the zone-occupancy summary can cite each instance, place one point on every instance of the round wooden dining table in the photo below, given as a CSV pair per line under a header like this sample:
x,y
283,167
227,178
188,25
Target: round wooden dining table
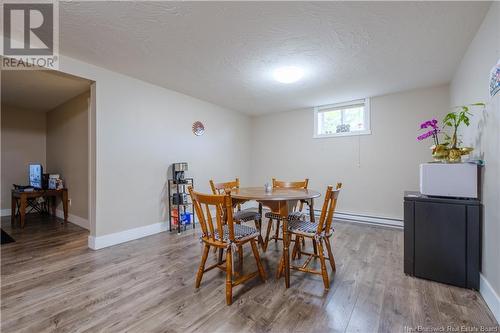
x,y
278,200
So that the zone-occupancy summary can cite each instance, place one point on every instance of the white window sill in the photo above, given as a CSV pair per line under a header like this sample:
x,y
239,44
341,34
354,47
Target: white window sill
x,y
334,135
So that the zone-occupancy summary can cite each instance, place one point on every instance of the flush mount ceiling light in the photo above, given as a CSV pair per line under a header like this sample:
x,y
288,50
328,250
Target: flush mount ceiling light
x,y
288,74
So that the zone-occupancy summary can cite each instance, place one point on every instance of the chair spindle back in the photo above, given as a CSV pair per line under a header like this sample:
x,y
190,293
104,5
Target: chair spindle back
x,y
326,217
205,205
295,184
221,188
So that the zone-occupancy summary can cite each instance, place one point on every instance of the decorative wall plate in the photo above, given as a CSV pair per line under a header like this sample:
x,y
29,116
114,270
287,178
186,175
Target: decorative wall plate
x,y
198,128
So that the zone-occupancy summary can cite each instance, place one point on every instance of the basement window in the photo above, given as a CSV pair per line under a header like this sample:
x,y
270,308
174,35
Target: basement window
x,y
342,119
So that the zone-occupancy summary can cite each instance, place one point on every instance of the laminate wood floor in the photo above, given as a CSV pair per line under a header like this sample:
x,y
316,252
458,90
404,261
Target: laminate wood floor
x,y
51,282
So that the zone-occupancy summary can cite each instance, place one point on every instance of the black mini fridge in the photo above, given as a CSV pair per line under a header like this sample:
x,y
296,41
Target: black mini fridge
x,y
442,239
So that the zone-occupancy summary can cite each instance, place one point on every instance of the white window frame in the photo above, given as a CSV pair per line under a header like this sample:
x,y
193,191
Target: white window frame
x,y
323,108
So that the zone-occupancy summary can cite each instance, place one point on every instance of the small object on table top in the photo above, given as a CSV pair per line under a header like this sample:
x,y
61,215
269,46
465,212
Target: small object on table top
x,y
23,188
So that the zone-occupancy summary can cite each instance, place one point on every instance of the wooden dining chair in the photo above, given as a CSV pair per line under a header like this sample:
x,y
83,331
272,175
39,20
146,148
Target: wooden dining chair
x,y
299,238
274,216
225,235
245,215
320,231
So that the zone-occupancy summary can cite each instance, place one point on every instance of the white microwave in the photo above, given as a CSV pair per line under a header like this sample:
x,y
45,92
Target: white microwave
x,y
458,180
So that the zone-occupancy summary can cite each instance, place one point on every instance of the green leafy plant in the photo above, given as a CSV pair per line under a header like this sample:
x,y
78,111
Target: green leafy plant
x,y
455,119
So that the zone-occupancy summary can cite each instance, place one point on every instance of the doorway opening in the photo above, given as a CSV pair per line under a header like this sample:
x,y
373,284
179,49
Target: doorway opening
x,y
47,120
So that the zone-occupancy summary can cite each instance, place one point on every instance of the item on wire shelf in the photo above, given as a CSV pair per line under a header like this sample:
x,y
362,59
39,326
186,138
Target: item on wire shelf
x,y
186,218
179,198
175,216
178,170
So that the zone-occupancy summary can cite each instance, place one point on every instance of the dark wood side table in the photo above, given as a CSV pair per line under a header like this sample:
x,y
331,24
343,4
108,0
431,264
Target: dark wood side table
x,y
442,239
19,202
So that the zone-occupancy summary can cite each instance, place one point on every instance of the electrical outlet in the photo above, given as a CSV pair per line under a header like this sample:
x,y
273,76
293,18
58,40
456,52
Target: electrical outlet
x,y
69,201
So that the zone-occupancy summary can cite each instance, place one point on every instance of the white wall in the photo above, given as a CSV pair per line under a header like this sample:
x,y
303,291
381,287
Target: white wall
x,y
375,169
470,85
23,142
140,130
67,150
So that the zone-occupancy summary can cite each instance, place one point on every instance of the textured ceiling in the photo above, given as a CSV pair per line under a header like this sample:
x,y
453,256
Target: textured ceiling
x,y
225,52
40,90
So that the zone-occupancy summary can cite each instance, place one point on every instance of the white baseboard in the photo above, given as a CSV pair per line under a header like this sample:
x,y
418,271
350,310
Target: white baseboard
x,y
99,242
84,223
490,296
79,221
5,212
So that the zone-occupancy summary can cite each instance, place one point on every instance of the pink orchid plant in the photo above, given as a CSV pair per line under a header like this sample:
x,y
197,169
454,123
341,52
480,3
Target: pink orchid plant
x,y
433,131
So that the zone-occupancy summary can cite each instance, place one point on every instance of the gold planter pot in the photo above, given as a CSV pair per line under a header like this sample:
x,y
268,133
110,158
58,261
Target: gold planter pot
x,y
449,155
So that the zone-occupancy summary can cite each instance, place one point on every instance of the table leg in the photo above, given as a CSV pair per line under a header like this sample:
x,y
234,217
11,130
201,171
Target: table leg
x,y
13,210
311,210
53,205
260,213
65,205
286,255
22,209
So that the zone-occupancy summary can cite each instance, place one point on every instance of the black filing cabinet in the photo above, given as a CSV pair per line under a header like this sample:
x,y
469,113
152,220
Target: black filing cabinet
x,y
442,239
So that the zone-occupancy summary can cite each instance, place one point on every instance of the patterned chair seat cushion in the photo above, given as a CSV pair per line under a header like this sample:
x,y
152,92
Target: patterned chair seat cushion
x,y
271,215
305,227
246,215
291,217
297,216
241,232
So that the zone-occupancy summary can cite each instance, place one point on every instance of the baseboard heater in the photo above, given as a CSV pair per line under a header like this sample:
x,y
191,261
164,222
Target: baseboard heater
x,y
363,219
366,219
